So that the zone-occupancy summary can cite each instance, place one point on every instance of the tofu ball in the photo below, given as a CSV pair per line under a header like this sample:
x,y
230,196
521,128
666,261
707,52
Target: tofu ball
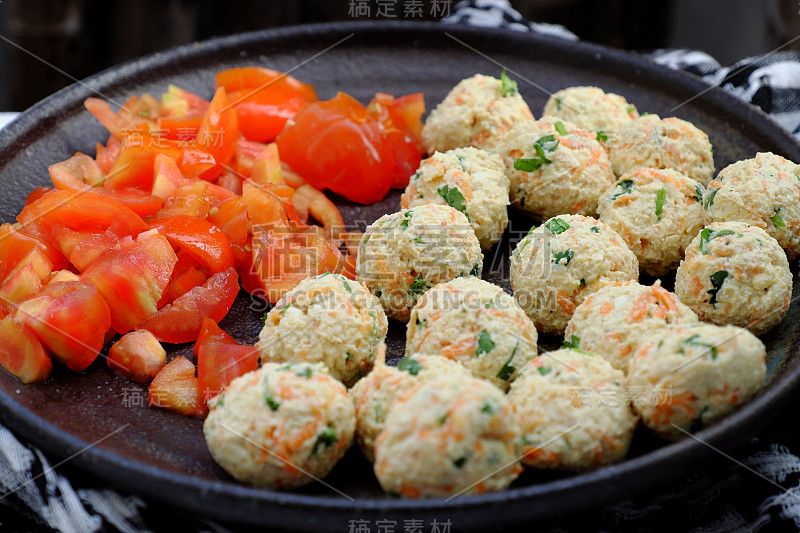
x,y
652,142
374,396
657,212
328,319
591,108
615,320
573,411
690,376
278,426
476,112
470,180
763,192
475,323
735,273
554,168
404,254
449,436
557,265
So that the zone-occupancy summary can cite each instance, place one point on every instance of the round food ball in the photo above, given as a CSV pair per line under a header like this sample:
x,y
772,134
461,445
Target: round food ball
x,y
449,436
689,376
475,323
591,108
763,192
328,319
735,273
573,411
476,112
615,320
652,142
404,254
271,425
470,180
374,396
554,172
557,265
657,212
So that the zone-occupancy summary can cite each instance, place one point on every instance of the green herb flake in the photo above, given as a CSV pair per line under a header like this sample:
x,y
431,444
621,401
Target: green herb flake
x,y
273,404
661,197
418,287
543,146
487,408
544,370
777,220
412,366
630,110
509,86
264,317
595,229
508,369
707,235
327,438
573,342
476,271
566,254
582,283
717,279
698,193
626,186
710,199
601,137
485,343
304,373
558,106
557,226
560,128
453,197
692,341
346,286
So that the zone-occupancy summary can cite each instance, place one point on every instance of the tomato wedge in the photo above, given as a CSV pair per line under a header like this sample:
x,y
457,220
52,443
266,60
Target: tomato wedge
x,y
21,353
219,131
199,238
235,79
138,356
132,277
220,359
16,245
133,166
181,320
176,388
263,114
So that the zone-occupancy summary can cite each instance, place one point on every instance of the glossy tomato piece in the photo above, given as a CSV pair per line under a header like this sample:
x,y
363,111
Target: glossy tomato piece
x,y
199,238
220,359
181,320
267,166
219,129
133,166
19,285
335,145
175,387
70,319
190,200
107,154
16,244
138,356
178,102
231,218
263,114
246,152
181,284
21,353
235,79
166,177
400,120
132,278
182,129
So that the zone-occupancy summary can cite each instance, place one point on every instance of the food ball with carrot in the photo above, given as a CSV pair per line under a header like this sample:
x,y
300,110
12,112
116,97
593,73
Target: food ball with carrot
x,y
404,254
448,436
554,167
690,376
762,191
653,142
657,212
735,273
375,394
476,112
281,426
557,265
470,180
615,320
591,108
573,411
475,323
328,319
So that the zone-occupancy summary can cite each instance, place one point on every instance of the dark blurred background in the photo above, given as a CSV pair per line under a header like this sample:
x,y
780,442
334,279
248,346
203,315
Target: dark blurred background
x,y
81,37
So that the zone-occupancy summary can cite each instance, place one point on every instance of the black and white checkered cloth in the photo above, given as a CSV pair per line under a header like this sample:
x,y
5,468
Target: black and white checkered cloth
x,y
723,498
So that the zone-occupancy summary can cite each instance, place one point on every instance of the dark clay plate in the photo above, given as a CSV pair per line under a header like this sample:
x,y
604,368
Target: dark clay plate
x,y
157,454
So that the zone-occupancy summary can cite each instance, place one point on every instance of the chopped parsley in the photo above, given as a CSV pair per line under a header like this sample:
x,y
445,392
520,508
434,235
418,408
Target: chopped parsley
x,y
626,186
601,137
630,110
595,229
543,146
560,128
708,235
556,226
692,341
305,373
487,408
476,271
698,193
573,342
412,366
544,370
419,240
509,86
566,254
661,197
264,317
418,287
508,369
485,343
453,197
404,222
273,404
710,199
558,106
346,286
717,279
777,220
327,438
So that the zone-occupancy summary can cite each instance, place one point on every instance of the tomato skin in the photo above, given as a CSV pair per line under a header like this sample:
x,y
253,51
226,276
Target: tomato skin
x,y
176,388
219,130
181,320
132,277
231,218
400,120
334,145
220,359
133,166
21,353
189,200
235,79
37,193
15,245
70,318
182,129
138,356
199,238
262,115
107,154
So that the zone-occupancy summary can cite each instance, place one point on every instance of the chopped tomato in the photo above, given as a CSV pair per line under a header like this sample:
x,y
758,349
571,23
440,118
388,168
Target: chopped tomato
x,y
334,145
166,177
199,238
220,359
235,79
267,166
132,278
138,356
181,320
176,388
246,152
37,193
15,245
262,114
219,131
19,285
198,164
178,102
231,182
182,129
107,154
231,218
190,200
70,318
401,122
133,166
308,200
84,248
21,353
181,284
